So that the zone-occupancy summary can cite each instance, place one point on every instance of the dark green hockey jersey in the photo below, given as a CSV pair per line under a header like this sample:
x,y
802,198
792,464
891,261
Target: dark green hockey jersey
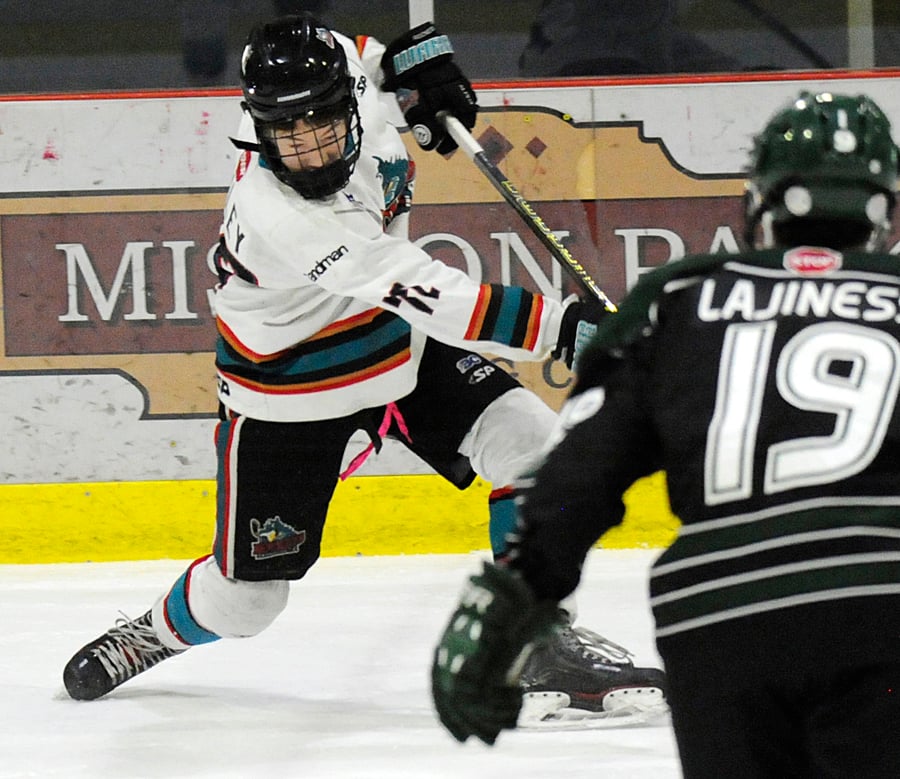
x,y
765,385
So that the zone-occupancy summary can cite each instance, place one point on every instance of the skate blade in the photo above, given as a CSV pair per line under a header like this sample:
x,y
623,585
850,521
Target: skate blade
x,y
624,708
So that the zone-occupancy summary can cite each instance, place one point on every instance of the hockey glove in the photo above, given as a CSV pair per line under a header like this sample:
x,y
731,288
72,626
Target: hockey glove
x,y
479,659
419,67
579,325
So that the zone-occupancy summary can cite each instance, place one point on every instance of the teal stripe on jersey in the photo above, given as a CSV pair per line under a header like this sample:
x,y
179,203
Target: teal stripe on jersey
x,y
506,328
325,359
391,331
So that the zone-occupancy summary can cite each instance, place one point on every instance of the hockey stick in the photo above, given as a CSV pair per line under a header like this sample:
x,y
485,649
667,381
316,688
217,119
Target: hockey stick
x,y
523,208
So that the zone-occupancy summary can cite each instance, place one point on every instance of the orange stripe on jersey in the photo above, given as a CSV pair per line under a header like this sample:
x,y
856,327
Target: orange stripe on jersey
x,y
342,325
479,312
534,323
361,41
337,327
336,382
241,348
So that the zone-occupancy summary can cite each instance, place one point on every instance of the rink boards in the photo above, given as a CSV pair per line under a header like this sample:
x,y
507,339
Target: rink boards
x,y
111,206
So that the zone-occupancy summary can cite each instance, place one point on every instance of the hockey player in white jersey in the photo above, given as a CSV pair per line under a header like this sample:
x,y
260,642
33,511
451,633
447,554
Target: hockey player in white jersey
x,y
330,320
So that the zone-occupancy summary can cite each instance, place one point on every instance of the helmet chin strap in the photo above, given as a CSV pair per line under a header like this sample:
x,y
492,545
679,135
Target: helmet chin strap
x,y
245,145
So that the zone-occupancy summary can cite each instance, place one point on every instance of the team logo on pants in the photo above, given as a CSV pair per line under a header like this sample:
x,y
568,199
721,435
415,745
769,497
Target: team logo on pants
x,y
274,538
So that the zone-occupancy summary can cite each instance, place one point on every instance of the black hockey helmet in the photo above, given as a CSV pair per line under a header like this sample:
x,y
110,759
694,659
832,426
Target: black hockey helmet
x,y
823,171
293,68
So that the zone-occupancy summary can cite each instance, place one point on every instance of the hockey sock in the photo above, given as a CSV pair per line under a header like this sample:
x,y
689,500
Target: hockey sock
x,y
502,510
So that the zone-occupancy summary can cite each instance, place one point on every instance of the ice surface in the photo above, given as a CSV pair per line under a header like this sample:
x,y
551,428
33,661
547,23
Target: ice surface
x,y
337,688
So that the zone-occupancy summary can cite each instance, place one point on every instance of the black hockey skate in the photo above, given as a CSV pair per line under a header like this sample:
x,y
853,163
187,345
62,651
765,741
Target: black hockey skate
x,y
582,680
129,648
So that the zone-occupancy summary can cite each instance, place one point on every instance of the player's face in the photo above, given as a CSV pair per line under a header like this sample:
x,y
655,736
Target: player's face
x,y
310,143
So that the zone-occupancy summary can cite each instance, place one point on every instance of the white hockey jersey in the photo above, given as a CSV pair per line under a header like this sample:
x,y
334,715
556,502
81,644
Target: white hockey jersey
x,y
324,306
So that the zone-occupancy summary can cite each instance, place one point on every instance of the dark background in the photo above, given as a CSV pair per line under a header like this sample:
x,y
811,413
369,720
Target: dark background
x,y
89,45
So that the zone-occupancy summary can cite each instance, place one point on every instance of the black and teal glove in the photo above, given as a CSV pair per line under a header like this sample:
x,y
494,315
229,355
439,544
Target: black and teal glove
x,y
419,68
580,321
478,661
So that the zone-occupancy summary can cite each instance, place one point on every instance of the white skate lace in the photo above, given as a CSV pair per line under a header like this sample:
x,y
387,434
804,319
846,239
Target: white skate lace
x,y
130,647
593,646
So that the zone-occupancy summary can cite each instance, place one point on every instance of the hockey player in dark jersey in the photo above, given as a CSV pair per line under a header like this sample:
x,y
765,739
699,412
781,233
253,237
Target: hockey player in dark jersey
x,y
330,320
765,385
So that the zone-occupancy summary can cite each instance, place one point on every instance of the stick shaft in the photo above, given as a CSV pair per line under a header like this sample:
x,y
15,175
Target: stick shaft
x,y
532,219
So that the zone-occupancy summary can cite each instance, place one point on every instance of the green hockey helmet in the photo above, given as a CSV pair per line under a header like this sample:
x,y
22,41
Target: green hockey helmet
x,y
823,171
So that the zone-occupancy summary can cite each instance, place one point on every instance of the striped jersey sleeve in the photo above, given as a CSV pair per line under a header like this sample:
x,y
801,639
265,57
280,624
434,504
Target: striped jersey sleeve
x,y
509,315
